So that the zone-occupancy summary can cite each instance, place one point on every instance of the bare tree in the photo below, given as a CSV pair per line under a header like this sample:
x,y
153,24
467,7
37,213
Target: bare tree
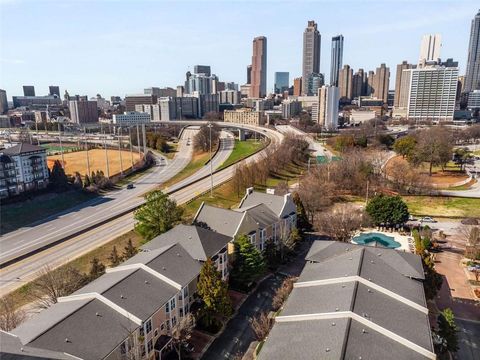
x,y
182,333
10,315
282,293
340,222
52,284
471,234
261,325
201,141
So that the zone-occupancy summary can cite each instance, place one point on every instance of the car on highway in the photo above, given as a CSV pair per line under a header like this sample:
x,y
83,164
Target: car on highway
x,y
428,219
130,186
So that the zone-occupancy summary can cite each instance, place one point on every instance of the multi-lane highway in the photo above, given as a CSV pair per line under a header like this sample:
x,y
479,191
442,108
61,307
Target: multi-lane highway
x,y
16,274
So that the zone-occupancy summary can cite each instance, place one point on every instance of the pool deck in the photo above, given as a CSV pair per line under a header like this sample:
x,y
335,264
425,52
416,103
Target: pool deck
x,y
401,239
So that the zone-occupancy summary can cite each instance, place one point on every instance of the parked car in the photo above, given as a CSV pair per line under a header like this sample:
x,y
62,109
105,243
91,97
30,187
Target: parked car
x,y
411,218
428,219
130,186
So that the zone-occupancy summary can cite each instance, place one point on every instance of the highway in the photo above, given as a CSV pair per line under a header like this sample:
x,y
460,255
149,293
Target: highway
x,y
315,147
18,273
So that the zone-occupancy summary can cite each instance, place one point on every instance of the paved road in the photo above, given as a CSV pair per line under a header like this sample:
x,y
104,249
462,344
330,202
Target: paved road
x,y
24,271
316,148
468,340
238,334
87,214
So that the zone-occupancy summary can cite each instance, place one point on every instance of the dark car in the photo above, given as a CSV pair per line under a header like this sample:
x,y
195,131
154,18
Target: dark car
x,y
130,186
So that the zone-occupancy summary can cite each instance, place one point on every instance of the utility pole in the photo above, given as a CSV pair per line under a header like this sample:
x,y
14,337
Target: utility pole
x,y
211,166
61,146
130,140
144,137
366,198
106,154
138,142
86,146
120,149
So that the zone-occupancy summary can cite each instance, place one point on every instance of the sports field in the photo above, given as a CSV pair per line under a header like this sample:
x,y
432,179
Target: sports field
x,y
77,161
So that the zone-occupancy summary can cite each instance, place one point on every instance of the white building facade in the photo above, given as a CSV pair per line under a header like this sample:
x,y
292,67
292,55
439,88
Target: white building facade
x,y
326,112
131,118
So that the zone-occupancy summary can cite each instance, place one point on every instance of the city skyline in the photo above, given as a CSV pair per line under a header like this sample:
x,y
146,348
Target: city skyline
x,y
96,65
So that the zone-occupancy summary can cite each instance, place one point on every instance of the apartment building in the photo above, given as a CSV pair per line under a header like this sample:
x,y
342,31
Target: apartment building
x,y
23,167
244,116
131,118
130,311
354,302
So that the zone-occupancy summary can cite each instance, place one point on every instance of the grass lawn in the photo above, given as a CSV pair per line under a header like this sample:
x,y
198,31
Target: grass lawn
x,y
291,175
82,264
441,206
242,150
197,162
39,207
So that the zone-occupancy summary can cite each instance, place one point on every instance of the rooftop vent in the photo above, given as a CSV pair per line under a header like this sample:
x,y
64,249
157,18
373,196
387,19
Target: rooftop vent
x,y
21,349
122,297
146,282
327,349
372,261
67,340
178,254
97,314
336,309
333,324
369,290
364,331
164,268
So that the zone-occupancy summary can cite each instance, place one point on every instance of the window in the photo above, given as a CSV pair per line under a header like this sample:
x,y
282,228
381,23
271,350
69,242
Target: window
x,y
142,350
162,327
174,321
168,325
181,312
142,331
148,326
172,303
167,307
155,332
123,348
149,346
252,238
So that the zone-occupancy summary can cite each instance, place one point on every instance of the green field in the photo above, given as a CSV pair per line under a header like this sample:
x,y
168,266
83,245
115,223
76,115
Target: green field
x,y
441,206
195,164
21,214
242,150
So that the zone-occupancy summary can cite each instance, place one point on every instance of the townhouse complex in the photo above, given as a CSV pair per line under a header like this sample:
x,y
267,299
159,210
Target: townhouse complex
x,y
23,167
354,302
130,311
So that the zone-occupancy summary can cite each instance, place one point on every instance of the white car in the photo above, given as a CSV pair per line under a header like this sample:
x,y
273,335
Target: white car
x,y
428,219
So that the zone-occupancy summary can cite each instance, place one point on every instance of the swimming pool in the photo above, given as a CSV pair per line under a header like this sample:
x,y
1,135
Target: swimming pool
x,y
375,239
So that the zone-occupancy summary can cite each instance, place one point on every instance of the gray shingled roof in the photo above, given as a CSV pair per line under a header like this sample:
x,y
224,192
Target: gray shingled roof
x,y
200,243
93,331
12,349
22,148
274,202
223,221
261,213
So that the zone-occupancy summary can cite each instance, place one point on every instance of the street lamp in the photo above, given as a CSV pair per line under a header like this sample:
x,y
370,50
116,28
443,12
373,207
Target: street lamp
x,y
211,166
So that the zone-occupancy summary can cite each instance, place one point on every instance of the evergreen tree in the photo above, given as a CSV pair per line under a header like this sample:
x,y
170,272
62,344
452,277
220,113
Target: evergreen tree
x,y
302,219
158,215
97,269
114,258
388,210
93,178
86,182
129,250
58,179
447,329
249,262
214,293
78,180
270,253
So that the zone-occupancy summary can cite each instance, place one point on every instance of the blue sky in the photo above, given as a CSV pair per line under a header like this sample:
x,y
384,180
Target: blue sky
x,y
120,47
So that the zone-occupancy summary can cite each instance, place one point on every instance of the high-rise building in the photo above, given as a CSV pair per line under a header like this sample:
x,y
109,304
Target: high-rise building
x,y
230,97
358,84
398,81
202,69
297,86
132,100
249,74
328,98
336,59
472,75
83,111
131,118
474,100
430,48
370,80
315,82
3,102
432,93
281,82
381,82
54,90
311,53
28,90
345,77
258,88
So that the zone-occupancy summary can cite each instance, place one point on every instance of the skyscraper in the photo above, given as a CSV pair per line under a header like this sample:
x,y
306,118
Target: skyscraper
x,y
3,102
337,59
28,90
54,90
311,54
297,86
472,75
345,77
358,84
398,81
202,69
328,98
258,87
381,82
249,74
430,48
281,82
315,82
83,111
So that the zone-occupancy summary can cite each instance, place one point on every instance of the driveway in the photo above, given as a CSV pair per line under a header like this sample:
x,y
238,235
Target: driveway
x,y
238,335
468,340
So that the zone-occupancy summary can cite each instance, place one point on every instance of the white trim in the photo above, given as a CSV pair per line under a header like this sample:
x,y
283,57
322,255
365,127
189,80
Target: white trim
x,y
198,211
366,283
109,303
362,320
147,269
240,224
